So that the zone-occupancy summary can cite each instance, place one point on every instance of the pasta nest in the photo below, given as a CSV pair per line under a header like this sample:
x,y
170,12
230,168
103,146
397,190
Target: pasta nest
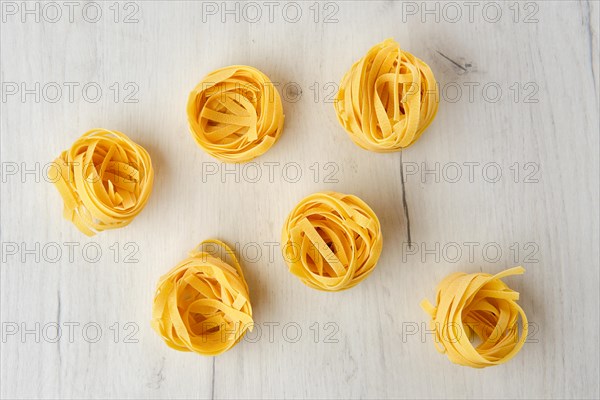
x,y
235,113
331,241
477,306
387,99
105,180
203,304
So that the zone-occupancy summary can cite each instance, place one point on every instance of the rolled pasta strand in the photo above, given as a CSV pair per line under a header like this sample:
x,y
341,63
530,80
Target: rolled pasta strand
x,y
235,113
105,180
477,304
387,99
331,241
203,304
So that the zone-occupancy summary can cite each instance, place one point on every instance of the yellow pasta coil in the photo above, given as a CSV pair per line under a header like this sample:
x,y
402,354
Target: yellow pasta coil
x,y
235,113
387,99
203,304
477,305
105,180
331,241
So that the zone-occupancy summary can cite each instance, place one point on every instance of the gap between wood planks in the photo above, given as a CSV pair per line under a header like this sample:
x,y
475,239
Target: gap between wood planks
x,y
404,202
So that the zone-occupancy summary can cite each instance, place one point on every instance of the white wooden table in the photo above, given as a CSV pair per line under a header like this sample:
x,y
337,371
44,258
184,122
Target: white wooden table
x,y
519,98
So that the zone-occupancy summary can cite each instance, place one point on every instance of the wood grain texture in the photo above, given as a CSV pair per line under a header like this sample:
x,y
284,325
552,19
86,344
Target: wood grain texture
x,y
368,342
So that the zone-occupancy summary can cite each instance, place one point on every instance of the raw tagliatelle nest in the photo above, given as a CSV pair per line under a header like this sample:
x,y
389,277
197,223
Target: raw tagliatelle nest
x,y
105,180
331,241
387,99
235,113
479,307
203,304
